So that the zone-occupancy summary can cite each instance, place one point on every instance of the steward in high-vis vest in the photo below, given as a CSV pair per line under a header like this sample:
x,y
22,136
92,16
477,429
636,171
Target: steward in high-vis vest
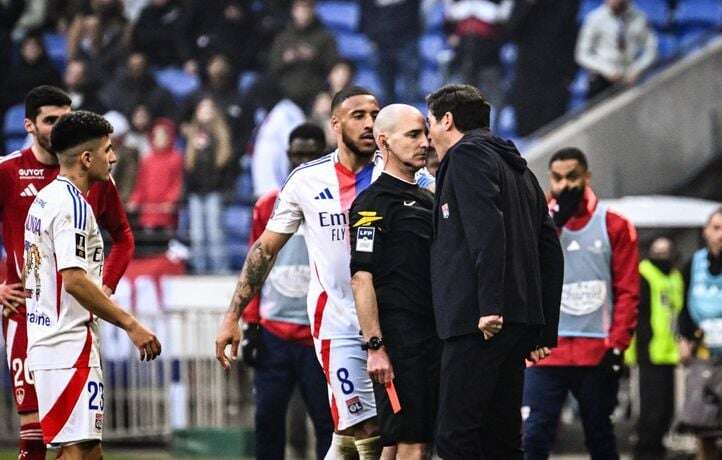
x,y
661,298
597,318
655,347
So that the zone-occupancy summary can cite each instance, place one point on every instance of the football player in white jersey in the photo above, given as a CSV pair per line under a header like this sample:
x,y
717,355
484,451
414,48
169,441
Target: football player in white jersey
x,y
62,278
317,195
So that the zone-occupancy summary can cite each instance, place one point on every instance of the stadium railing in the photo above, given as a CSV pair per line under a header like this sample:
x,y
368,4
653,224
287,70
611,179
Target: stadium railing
x,y
185,389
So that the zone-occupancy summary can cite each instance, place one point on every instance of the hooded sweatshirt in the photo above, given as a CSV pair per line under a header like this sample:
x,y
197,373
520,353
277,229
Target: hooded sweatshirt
x,y
159,184
495,249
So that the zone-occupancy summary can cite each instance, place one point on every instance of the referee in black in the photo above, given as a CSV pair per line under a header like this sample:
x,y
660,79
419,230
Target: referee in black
x,y
496,271
390,224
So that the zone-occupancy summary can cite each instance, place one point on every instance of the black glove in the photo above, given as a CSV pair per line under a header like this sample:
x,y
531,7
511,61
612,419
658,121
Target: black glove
x,y
251,344
568,204
613,361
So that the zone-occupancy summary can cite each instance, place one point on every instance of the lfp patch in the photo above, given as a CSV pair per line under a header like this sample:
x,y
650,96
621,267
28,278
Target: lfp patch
x,y
80,245
365,239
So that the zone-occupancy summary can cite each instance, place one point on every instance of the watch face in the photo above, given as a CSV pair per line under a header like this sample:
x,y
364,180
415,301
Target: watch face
x,y
375,343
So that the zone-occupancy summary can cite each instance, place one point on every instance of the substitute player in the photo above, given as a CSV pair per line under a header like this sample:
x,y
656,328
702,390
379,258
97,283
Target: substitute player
x,y
317,197
598,314
22,175
391,228
62,278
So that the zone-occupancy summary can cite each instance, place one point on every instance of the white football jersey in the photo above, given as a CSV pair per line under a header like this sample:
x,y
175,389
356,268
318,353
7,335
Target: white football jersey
x,y
60,232
317,196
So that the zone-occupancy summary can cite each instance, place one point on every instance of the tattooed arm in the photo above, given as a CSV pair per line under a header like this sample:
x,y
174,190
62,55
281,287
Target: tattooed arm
x,y
259,261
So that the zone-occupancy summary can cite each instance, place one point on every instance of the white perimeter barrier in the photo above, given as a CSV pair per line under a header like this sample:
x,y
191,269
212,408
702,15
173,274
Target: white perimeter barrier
x,y
186,387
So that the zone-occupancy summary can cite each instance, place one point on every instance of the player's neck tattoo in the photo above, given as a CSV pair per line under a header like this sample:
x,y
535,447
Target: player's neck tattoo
x,y
255,270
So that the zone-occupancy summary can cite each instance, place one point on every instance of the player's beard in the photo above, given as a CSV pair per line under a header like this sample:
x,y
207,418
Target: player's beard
x,y
355,149
44,142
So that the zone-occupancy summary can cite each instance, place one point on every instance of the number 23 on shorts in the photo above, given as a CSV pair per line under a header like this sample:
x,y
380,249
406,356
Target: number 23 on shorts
x,y
96,401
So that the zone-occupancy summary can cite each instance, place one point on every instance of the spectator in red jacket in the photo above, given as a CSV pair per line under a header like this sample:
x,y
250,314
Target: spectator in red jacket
x,y
160,180
598,314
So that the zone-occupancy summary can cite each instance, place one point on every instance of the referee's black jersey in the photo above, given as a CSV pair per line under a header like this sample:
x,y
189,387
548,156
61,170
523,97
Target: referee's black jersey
x,y
391,229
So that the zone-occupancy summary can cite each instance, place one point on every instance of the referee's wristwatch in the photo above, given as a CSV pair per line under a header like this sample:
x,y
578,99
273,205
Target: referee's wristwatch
x,y
374,343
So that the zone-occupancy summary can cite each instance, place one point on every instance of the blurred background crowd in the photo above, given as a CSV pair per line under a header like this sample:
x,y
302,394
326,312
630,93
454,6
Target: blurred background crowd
x,y
203,93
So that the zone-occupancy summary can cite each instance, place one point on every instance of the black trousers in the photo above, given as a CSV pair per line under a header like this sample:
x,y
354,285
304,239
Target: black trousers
x,y
656,398
480,397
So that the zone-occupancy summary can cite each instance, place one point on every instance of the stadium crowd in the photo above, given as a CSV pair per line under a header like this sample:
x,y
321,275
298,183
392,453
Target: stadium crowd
x,y
186,156
209,87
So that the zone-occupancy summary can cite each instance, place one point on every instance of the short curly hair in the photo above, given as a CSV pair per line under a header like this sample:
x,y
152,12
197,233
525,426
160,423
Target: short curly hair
x,y
76,128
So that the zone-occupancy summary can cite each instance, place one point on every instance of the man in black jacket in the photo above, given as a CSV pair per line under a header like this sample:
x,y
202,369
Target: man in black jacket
x,y
496,276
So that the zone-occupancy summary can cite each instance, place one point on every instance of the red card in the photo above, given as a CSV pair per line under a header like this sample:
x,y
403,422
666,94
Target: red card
x,y
393,397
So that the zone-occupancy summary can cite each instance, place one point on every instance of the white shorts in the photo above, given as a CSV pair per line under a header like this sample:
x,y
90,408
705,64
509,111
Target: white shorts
x,y
350,390
70,404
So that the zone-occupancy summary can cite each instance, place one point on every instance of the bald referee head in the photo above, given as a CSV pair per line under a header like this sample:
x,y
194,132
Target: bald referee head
x,y
82,142
400,133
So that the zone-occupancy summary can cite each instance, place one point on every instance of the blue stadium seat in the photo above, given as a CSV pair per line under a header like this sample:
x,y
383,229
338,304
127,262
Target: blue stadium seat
x,y
693,37
237,254
508,54
667,46
56,47
586,7
356,47
246,80
430,46
13,143
368,78
656,11
506,122
339,15
430,80
179,83
577,101
15,121
699,12
244,187
580,84
434,19
237,221
421,106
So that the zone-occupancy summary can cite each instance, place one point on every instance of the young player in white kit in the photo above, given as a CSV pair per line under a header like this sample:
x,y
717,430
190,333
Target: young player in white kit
x,y
317,196
62,277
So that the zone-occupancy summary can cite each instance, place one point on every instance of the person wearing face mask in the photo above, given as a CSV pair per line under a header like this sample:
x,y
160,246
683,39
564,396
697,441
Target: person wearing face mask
x,y
655,348
700,325
598,314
